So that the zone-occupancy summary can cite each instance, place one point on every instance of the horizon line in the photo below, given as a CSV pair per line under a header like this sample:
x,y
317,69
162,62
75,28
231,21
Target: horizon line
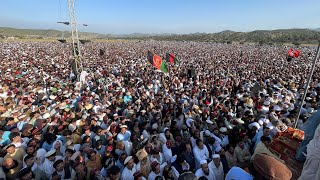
x,y
164,33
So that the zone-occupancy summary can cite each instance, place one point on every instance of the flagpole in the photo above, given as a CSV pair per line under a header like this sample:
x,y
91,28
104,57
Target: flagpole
x,y
307,85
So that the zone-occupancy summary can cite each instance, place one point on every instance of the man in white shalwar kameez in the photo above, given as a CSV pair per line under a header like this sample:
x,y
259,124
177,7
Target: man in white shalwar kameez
x,y
47,165
205,171
83,76
311,167
129,170
216,166
200,153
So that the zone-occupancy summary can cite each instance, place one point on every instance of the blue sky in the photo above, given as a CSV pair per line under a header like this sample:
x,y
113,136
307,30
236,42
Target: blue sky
x,y
163,16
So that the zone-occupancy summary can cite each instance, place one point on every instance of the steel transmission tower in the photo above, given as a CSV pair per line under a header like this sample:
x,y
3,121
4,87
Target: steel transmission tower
x,y
77,57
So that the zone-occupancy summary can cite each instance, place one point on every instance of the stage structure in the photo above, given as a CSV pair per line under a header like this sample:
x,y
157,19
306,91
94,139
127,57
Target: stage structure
x,y
76,63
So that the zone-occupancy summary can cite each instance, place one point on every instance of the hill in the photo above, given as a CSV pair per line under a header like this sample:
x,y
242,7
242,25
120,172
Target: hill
x,y
259,36
40,33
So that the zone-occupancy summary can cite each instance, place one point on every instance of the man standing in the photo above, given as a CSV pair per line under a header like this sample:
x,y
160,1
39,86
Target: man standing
x,y
129,170
200,152
216,166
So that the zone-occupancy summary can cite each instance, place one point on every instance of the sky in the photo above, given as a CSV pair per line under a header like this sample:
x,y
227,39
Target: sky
x,y
163,16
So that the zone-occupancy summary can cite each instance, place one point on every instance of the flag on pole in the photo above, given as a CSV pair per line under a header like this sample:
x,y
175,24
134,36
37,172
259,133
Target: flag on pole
x,y
290,52
157,62
296,53
172,58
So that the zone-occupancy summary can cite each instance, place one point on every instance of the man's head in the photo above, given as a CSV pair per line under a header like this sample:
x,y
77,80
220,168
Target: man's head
x,y
266,140
155,166
188,147
11,149
266,131
114,172
29,160
204,167
25,174
199,143
241,144
59,165
128,162
9,163
216,159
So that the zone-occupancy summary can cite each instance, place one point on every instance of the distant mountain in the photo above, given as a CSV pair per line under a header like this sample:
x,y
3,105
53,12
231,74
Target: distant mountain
x,y
50,33
259,36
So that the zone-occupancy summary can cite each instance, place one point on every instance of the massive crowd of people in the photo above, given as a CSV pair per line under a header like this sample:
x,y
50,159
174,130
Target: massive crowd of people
x,y
122,119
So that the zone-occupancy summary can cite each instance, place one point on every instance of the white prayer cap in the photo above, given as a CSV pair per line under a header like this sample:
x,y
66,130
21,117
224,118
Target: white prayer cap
x,y
127,160
50,153
215,156
254,124
203,162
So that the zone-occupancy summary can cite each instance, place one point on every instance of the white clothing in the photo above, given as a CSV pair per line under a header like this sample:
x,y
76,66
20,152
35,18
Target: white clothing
x,y
160,160
218,171
127,174
200,173
200,154
312,164
167,153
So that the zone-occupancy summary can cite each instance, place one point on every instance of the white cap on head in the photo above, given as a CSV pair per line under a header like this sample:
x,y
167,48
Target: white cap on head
x,y
50,153
203,162
127,160
215,156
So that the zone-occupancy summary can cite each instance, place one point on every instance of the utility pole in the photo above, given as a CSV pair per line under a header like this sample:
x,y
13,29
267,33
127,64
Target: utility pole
x,y
307,85
76,63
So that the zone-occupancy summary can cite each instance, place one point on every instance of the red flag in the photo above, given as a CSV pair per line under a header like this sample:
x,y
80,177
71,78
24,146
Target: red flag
x,y
296,53
290,52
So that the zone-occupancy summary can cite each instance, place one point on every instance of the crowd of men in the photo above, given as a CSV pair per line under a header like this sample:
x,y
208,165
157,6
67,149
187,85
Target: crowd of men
x,y
122,119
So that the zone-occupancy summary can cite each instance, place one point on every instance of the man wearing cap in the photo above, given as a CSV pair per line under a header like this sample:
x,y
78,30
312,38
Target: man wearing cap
x,y
125,134
144,163
205,171
157,170
224,136
167,151
138,176
27,173
107,160
47,166
61,170
216,166
14,153
129,170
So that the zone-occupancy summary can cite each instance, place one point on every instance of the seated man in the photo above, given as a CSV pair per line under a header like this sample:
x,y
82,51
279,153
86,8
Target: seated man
x,y
262,148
